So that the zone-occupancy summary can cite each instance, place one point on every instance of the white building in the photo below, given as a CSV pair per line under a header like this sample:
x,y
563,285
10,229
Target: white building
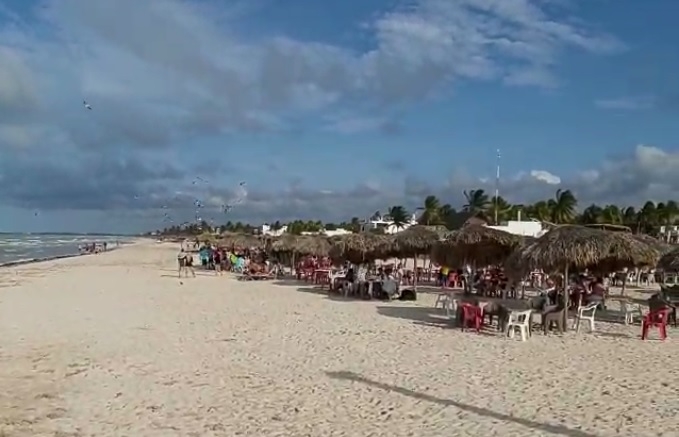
x,y
266,230
669,233
387,224
531,228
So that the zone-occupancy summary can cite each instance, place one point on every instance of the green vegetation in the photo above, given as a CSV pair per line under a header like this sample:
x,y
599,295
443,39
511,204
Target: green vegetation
x,y
560,209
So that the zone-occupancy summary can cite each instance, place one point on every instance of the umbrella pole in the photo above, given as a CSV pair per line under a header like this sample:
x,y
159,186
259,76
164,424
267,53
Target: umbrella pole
x,y
565,299
292,268
415,274
624,283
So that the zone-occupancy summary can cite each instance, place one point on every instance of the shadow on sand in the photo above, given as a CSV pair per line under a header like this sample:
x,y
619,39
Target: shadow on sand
x,y
420,315
543,427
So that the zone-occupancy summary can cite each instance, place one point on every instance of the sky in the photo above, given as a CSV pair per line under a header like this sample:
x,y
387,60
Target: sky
x,y
328,110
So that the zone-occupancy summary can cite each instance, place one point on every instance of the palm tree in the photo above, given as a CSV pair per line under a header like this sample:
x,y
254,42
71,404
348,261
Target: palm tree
x,y
540,211
431,211
477,202
563,206
399,216
560,209
499,207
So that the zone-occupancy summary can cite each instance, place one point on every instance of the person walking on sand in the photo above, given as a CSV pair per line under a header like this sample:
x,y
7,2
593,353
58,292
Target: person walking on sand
x,y
185,261
217,261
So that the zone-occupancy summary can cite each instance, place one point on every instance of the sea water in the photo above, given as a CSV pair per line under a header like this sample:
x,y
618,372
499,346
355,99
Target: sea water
x,y
26,247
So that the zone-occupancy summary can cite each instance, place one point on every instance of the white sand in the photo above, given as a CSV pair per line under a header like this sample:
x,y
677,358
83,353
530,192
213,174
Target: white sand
x,y
109,345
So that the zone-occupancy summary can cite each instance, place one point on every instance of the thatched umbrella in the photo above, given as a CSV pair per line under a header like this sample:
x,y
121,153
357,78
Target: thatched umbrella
x,y
661,246
361,248
289,246
476,244
418,240
207,237
317,245
233,239
582,247
670,260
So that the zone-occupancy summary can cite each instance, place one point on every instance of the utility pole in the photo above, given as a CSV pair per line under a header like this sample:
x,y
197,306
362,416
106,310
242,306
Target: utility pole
x,y
497,184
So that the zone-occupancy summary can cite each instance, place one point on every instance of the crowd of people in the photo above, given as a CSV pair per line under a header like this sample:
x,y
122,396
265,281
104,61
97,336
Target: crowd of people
x,y
219,259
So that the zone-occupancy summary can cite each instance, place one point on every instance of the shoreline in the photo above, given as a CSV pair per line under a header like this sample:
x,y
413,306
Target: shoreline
x,y
26,261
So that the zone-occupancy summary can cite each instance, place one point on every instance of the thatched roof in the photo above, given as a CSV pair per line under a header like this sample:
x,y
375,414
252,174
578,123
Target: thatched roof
x,y
418,240
661,246
207,237
361,248
670,260
301,244
477,244
233,239
583,247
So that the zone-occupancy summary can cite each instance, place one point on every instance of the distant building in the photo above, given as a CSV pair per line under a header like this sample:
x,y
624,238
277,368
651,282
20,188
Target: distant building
x,y
669,234
532,228
267,230
387,224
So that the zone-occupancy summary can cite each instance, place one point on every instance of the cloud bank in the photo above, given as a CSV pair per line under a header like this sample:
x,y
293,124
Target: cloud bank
x,y
161,75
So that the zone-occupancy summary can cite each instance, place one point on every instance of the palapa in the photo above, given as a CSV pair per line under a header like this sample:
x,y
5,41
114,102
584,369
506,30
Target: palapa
x,y
583,247
317,245
670,261
361,248
476,244
661,246
417,240
244,241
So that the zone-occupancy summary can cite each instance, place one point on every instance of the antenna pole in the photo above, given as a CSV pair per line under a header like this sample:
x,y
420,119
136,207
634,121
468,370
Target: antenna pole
x,y
497,184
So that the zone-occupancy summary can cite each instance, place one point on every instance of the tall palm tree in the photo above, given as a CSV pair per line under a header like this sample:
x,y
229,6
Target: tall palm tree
x,y
500,206
611,214
540,211
591,215
477,202
399,216
563,206
431,211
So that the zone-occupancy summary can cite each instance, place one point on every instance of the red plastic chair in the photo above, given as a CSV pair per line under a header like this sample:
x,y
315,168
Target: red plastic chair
x,y
472,317
657,319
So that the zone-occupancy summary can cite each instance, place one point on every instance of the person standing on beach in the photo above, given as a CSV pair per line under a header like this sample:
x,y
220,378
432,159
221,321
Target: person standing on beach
x,y
185,261
217,260
181,261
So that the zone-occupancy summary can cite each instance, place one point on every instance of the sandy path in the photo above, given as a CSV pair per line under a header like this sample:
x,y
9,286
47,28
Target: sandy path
x,y
111,345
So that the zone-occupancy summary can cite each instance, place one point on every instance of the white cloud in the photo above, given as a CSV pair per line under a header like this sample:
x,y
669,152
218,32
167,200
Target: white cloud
x,y
545,176
161,74
158,72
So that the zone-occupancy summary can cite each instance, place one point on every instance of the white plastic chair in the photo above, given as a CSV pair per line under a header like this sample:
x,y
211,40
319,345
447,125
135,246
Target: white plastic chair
x,y
631,311
583,315
446,302
519,320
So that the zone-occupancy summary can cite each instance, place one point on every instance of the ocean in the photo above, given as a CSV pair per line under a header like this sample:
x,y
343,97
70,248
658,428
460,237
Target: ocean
x,y
17,248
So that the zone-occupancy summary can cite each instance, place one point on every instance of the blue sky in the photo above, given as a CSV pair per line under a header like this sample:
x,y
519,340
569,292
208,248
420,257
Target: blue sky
x,y
328,109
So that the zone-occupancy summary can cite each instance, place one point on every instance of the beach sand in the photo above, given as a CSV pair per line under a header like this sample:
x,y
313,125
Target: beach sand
x,y
114,345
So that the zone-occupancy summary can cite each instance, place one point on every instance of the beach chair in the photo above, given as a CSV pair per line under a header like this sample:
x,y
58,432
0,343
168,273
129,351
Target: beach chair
x,y
657,318
631,311
472,316
447,303
519,320
585,313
